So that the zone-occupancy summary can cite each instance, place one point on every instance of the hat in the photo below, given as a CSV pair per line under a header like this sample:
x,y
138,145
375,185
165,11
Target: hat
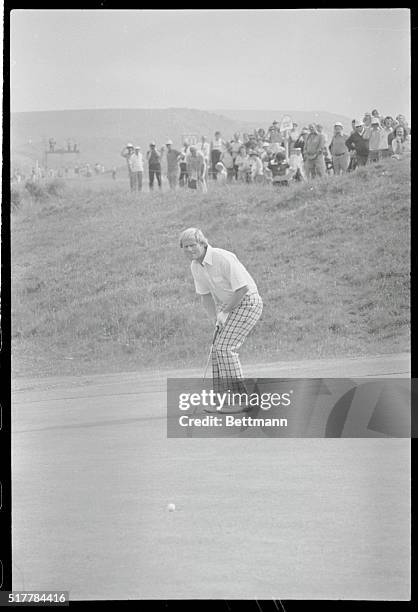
x,y
358,123
275,122
296,149
130,145
137,147
266,144
152,144
375,121
169,142
338,123
219,166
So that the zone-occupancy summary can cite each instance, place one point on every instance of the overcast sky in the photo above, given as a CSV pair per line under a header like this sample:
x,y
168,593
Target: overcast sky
x,y
342,61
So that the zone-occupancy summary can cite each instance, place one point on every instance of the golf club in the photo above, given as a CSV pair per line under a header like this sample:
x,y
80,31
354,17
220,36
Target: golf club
x,y
215,333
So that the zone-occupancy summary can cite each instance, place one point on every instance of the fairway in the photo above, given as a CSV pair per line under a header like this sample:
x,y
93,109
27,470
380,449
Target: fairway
x,y
93,473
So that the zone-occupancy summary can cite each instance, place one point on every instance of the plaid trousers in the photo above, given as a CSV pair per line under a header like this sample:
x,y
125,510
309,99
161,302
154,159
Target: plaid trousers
x,y
226,366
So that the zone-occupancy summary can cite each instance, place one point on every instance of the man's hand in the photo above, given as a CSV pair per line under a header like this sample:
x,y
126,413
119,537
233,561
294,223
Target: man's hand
x,y
221,318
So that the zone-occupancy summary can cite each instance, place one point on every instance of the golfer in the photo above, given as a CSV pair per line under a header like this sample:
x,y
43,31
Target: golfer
x,y
230,296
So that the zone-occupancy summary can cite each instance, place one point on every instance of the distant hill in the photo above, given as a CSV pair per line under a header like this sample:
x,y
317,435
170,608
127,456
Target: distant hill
x,y
264,118
101,134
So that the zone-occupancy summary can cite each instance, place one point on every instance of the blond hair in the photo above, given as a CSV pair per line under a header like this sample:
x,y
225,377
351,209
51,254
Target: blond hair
x,y
193,233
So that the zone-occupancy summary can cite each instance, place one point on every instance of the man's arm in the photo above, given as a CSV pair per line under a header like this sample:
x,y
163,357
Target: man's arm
x,y
349,142
209,305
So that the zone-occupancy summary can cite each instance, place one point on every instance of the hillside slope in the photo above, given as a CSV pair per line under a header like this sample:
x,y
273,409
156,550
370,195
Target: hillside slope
x,y
100,283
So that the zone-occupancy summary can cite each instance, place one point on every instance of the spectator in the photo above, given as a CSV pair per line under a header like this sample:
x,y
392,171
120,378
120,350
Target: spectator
x,y
251,143
114,173
127,153
377,115
235,146
242,161
294,135
359,144
205,151
296,168
300,141
280,168
222,173
401,143
136,163
227,160
352,153
154,166
216,148
374,141
265,152
339,150
173,157
367,122
273,133
196,169
256,168
314,153
385,133
320,130
327,155
268,175
401,121
183,164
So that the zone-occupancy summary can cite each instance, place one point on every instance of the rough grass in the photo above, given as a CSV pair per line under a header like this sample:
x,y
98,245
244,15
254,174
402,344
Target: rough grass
x,y
99,283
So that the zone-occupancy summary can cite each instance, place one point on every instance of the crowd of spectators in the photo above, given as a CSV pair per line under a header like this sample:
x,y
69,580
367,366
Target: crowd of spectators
x,y
271,156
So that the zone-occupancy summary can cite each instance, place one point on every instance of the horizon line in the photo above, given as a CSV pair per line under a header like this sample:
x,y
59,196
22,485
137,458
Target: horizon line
x,y
209,110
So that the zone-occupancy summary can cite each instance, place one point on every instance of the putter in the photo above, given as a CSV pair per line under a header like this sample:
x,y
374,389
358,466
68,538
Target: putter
x,y
215,333
189,431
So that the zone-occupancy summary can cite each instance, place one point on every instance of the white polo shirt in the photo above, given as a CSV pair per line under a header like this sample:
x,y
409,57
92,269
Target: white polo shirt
x,y
221,274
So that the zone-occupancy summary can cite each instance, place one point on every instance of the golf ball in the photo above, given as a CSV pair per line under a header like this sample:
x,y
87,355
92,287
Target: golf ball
x,y
171,507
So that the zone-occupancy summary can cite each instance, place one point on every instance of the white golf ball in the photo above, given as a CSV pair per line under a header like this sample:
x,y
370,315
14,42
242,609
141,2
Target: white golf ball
x,y
171,507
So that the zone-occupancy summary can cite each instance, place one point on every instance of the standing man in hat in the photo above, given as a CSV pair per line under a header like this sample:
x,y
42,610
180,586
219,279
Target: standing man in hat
x,y
217,146
154,166
339,150
314,150
357,142
231,299
127,153
173,169
136,164
374,140
273,132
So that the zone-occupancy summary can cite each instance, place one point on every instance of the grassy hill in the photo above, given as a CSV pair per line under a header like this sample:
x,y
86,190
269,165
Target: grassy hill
x,y
99,283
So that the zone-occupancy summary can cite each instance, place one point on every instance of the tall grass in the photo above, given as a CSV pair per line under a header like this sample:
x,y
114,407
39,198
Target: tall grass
x,y
99,283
